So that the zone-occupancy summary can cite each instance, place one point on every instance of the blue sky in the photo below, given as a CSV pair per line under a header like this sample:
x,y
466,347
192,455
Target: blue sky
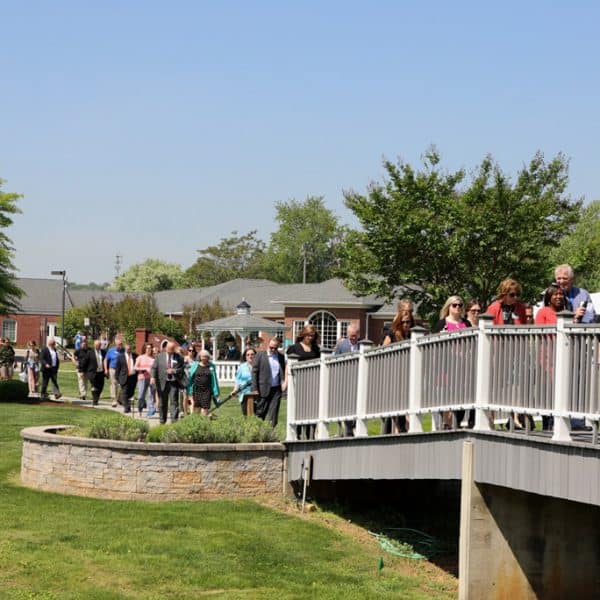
x,y
154,129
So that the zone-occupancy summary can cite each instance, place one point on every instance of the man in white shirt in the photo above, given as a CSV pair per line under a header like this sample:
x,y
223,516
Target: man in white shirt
x,y
50,365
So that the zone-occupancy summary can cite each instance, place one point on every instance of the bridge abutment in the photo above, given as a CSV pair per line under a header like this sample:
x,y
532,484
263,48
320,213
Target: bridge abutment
x,y
515,544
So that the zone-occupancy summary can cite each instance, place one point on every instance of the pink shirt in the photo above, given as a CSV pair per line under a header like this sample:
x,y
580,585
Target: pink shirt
x,y
452,326
143,361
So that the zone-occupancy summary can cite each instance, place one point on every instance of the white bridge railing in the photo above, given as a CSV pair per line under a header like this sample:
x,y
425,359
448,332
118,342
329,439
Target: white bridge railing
x,y
534,370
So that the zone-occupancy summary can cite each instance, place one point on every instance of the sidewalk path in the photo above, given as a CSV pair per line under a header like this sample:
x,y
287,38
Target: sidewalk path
x,y
104,405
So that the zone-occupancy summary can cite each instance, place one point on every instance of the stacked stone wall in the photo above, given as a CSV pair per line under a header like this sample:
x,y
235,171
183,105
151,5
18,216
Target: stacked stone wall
x,y
140,471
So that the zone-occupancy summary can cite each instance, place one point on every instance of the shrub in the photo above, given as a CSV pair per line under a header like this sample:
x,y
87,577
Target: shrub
x,y
197,429
156,433
13,390
118,427
256,430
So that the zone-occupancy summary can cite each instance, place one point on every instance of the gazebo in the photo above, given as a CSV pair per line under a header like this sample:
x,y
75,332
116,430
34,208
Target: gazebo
x,y
242,323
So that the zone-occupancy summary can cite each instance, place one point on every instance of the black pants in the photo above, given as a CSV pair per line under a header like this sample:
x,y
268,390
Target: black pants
x,y
97,383
268,406
127,392
49,375
169,396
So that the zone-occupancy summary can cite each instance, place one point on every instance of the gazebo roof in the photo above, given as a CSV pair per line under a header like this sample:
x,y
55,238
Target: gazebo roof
x,y
242,323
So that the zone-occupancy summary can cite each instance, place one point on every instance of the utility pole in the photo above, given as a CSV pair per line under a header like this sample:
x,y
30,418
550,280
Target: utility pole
x,y
118,263
62,325
304,252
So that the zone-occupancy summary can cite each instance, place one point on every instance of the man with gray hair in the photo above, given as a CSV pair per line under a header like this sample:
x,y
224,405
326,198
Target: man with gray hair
x,y
167,375
345,345
578,300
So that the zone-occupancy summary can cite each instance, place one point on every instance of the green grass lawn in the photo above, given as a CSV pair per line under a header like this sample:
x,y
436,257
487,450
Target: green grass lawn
x,y
63,547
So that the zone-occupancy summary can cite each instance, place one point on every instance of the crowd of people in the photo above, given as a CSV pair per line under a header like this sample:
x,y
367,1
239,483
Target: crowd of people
x,y
178,380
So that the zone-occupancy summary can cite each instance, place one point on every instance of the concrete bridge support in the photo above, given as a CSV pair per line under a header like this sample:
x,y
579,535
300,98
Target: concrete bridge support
x,y
518,545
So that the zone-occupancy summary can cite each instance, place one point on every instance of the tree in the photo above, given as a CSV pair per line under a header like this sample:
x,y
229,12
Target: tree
x,y
127,315
151,275
581,248
9,291
234,256
420,228
308,231
74,321
201,312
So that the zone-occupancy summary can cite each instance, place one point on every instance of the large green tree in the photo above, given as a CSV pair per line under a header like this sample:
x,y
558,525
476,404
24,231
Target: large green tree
x,y
581,248
234,256
442,235
152,275
308,237
9,291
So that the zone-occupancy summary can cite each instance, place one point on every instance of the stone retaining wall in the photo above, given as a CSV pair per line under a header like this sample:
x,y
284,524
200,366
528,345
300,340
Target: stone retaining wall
x,y
141,471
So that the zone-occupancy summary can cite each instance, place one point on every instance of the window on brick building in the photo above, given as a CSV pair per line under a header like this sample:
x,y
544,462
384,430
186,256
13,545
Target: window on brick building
x,y
9,329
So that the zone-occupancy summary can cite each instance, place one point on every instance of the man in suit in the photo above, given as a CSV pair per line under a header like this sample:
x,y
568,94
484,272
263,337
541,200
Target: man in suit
x,y
350,342
126,376
269,379
167,376
92,365
50,364
345,345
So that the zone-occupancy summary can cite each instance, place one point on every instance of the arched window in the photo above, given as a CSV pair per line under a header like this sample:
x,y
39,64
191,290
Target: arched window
x,y
327,326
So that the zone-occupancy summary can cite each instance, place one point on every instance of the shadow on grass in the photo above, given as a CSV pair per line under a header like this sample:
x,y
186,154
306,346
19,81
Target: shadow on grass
x,y
421,517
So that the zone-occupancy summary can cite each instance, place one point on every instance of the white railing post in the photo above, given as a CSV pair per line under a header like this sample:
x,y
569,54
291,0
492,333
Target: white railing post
x,y
322,432
482,384
562,375
362,387
415,421
292,434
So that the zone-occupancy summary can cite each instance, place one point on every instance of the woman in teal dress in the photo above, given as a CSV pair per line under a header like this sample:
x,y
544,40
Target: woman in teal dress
x,y
243,379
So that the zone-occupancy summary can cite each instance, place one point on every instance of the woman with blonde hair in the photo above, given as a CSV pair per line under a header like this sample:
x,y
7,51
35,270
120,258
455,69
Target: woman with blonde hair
x,y
452,316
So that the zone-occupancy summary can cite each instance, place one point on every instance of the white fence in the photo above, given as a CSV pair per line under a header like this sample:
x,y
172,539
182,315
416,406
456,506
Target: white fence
x,y
226,370
534,370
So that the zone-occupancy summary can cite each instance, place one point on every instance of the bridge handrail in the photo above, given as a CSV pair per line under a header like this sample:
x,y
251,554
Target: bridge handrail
x,y
533,369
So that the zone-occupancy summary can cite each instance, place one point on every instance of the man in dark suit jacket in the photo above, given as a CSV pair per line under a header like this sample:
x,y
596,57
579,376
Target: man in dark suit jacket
x,y
126,376
92,364
167,376
49,366
269,379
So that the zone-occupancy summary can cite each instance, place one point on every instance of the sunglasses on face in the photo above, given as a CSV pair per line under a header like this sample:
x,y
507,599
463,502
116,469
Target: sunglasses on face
x,y
405,322
475,310
457,305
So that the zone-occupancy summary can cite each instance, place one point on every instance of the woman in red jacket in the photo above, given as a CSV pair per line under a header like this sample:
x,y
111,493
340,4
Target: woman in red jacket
x,y
554,302
507,310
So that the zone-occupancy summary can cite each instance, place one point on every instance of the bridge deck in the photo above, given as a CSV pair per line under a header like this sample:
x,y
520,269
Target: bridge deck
x,y
532,463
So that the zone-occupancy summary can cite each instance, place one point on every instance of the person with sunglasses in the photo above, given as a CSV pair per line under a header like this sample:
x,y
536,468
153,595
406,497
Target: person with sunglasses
x,y
398,332
243,379
472,312
269,379
452,316
506,309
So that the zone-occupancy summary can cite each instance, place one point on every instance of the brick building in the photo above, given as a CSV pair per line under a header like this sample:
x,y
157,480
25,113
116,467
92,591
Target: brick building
x,y
328,305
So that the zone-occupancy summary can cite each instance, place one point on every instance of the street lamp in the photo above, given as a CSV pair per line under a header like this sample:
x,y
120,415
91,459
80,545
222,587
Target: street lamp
x,y
63,274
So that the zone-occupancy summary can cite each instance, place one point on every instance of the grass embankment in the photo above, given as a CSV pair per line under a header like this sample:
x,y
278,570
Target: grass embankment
x,y
62,547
